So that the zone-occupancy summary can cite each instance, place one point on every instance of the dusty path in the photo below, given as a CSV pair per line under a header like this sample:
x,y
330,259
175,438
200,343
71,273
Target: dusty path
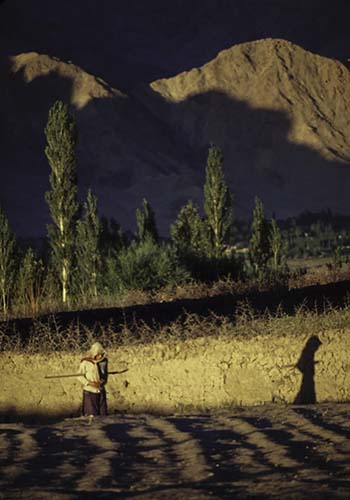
x,y
258,452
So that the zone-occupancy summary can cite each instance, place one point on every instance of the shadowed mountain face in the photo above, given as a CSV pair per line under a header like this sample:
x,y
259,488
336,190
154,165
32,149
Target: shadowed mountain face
x,y
124,152
279,112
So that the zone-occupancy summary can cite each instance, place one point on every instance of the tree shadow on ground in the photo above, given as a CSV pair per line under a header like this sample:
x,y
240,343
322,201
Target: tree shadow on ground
x,y
173,457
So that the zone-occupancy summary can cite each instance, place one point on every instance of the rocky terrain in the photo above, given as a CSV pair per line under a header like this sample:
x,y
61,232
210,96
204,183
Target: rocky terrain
x,y
281,115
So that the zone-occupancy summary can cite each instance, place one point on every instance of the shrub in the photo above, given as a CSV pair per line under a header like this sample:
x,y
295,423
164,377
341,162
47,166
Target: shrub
x,y
148,266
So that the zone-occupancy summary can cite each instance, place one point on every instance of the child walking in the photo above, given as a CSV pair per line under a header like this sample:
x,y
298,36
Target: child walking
x,y
94,376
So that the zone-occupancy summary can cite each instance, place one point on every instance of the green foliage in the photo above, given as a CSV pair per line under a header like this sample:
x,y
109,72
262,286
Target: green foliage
x,y
217,203
317,234
211,269
146,266
110,283
146,223
337,258
112,241
62,199
190,239
112,238
278,247
259,246
337,262
7,262
188,231
88,249
30,282
52,293
296,241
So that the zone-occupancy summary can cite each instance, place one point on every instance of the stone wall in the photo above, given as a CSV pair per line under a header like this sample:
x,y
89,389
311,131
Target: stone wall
x,y
193,375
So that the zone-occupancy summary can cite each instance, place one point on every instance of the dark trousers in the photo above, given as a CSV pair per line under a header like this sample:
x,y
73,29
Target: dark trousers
x,y
94,404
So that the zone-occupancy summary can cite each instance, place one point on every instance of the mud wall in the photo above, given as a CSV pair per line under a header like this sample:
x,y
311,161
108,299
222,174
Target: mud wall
x,y
193,375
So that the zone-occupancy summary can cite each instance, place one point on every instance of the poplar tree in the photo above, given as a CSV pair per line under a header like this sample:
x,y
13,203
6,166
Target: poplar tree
x,y
7,261
146,223
217,202
61,136
278,247
259,245
88,248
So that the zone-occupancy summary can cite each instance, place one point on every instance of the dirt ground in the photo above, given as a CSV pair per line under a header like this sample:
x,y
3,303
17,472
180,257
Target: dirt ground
x,y
271,451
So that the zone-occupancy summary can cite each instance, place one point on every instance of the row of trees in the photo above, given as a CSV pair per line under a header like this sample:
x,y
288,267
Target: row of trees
x,y
89,257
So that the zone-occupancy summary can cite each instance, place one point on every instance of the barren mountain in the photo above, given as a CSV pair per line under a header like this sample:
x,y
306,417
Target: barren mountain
x,y
280,113
130,42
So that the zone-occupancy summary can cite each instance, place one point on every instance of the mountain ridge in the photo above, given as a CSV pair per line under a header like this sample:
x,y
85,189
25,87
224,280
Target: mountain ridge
x,y
160,39
284,104
215,76
117,139
279,113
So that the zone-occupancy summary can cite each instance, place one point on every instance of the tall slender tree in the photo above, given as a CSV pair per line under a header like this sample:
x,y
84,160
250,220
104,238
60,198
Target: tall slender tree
x,y
7,261
259,245
278,247
146,223
88,248
61,139
217,202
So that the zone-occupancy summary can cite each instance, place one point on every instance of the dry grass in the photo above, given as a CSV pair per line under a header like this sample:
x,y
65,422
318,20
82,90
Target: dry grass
x,y
50,336
309,272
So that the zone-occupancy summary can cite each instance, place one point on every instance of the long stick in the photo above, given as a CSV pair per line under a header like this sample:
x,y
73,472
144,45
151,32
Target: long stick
x,y
80,374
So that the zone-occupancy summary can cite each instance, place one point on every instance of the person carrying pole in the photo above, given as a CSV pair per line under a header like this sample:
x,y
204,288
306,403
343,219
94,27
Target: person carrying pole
x,y
93,374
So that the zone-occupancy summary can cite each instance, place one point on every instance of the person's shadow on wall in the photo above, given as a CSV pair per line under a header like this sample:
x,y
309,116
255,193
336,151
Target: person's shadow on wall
x,y
306,365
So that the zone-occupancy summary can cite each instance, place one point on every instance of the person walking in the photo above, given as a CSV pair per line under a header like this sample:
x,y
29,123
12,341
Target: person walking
x,y
94,376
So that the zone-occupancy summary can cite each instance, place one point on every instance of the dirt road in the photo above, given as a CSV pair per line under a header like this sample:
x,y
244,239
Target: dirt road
x,y
270,451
